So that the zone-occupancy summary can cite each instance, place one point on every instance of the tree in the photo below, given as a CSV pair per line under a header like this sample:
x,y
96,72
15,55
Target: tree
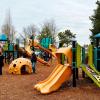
x,y
48,30
95,21
29,30
66,37
8,28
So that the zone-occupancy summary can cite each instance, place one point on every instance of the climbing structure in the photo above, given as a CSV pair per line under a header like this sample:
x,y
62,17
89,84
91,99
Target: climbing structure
x,y
16,66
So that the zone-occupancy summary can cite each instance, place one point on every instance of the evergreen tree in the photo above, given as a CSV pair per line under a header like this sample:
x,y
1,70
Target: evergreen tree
x,y
95,21
66,37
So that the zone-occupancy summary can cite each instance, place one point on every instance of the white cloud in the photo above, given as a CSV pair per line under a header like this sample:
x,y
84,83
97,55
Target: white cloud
x,y
72,14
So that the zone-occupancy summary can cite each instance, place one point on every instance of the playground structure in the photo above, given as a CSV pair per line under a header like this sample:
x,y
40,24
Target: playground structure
x,y
96,51
17,69
63,72
13,50
16,66
8,47
60,74
45,42
75,58
53,47
37,45
87,68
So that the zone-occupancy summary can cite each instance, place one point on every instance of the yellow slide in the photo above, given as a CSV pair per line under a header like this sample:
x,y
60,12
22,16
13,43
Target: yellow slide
x,y
51,76
53,47
37,85
28,50
37,45
29,53
61,74
42,61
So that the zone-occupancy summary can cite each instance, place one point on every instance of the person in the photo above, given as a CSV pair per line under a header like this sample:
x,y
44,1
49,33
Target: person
x,y
46,56
33,60
9,57
1,62
32,37
50,56
23,69
24,55
0,48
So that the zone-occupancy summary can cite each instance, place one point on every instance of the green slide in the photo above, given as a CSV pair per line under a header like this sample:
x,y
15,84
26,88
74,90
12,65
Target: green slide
x,y
93,67
92,74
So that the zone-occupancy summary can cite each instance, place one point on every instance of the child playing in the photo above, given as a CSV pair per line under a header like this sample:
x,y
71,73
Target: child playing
x,y
33,60
1,62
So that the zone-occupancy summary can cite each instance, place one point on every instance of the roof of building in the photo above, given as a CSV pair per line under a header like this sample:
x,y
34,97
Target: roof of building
x,y
3,37
97,35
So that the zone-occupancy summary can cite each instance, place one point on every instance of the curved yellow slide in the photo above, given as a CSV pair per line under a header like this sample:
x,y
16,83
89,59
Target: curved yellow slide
x,y
51,76
42,61
37,45
60,76
28,50
29,53
53,47
47,77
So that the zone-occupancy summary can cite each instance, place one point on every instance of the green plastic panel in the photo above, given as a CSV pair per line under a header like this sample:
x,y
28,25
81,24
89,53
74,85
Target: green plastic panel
x,y
90,55
90,58
78,55
11,47
5,47
63,58
45,42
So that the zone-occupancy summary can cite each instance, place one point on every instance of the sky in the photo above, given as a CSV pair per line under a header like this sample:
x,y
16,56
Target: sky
x,y
67,14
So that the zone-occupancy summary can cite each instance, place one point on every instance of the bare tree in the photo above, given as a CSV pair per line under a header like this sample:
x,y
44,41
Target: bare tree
x,y
48,29
8,28
29,30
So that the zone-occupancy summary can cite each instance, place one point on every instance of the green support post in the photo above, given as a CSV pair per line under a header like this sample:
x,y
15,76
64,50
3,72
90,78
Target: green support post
x,y
62,59
78,58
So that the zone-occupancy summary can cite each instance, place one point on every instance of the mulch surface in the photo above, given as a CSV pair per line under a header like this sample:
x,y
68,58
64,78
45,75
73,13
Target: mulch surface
x,y
20,87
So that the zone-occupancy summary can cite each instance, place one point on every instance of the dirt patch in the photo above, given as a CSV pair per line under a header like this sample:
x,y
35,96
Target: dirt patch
x,y
20,87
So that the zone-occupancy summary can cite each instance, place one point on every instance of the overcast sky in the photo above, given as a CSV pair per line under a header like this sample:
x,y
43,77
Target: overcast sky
x,y
68,14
